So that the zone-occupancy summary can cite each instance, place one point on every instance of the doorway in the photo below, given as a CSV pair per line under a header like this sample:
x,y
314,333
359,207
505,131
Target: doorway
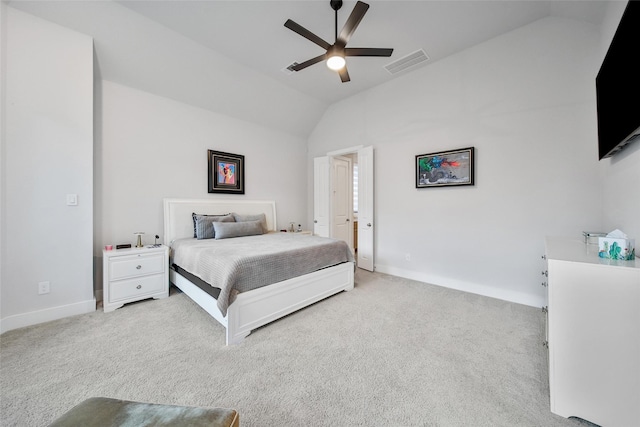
x,y
343,200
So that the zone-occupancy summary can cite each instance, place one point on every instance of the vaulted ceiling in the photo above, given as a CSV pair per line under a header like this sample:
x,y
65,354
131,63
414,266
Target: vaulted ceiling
x,y
229,56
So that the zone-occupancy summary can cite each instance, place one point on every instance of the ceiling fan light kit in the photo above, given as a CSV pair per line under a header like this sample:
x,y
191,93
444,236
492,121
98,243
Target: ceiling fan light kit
x,y
336,52
335,58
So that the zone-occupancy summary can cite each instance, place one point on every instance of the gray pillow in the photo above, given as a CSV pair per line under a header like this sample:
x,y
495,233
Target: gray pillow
x,y
226,230
194,215
204,225
258,217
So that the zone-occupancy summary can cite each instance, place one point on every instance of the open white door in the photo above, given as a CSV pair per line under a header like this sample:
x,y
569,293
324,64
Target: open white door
x,y
365,209
321,187
341,207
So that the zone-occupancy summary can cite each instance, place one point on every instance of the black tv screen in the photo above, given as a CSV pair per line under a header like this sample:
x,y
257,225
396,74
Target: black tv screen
x,y
618,86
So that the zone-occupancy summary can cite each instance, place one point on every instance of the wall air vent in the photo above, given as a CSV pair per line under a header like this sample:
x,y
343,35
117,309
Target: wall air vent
x,y
288,70
409,61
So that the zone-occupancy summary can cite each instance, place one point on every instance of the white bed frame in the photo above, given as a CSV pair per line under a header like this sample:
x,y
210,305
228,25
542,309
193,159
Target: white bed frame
x,y
255,308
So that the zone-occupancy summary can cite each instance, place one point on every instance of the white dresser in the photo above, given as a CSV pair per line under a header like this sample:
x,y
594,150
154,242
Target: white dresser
x,y
593,334
134,274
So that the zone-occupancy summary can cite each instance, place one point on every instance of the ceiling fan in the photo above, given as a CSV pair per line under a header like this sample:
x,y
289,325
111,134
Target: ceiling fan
x,y
337,51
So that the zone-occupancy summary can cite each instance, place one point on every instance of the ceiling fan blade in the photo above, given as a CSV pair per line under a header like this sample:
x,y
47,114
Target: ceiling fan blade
x,y
306,34
344,75
352,22
309,62
367,51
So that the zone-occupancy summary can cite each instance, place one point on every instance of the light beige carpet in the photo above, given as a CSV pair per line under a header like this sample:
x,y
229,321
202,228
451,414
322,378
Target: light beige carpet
x,y
392,352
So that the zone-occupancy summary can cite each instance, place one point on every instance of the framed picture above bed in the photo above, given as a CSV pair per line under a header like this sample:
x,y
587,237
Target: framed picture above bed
x,y
445,168
226,172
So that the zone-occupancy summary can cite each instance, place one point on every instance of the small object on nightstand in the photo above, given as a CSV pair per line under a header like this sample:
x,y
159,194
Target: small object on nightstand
x,y
124,246
156,244
299,228
291,225
139,243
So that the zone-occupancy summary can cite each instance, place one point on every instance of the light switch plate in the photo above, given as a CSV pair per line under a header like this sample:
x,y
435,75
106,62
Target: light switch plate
x,y
72,200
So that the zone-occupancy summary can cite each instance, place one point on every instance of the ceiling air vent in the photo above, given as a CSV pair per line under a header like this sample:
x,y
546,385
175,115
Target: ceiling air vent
x,y
406,62
288,70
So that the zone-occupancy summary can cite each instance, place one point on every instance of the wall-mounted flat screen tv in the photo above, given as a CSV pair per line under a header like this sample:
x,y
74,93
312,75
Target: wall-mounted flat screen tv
x,y
618,86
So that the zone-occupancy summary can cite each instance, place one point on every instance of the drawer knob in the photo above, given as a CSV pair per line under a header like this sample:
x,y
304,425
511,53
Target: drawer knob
x,y
139,287
545,273
138,267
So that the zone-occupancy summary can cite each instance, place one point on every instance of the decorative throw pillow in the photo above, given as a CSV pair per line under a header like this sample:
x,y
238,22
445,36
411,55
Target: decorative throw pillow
x,y
202,225
226,230
258,217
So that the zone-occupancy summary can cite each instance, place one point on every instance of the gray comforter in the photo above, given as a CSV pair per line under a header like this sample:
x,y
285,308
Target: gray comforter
x,y
244,263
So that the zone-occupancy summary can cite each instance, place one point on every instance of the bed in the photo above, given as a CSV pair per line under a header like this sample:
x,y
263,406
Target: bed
x,y
240,310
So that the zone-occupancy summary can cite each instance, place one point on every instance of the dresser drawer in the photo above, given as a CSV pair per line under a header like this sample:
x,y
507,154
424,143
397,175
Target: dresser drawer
x,y
135,265
131,288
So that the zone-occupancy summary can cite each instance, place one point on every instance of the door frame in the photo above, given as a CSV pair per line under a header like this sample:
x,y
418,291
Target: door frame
x,y
368,232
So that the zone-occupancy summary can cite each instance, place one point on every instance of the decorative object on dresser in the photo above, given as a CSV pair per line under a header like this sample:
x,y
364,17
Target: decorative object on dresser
x,y
134,274
226,172
445,168
593,334
617,245
139,240
591,237
270,284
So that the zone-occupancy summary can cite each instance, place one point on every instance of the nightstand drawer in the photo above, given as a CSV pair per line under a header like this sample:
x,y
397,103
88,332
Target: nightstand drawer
x,y
136,265
130,288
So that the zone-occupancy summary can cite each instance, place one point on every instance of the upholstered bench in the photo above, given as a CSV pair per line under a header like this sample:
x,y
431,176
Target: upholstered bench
x,y
103,412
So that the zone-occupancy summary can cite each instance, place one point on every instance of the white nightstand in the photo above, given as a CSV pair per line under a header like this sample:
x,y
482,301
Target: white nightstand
x,y
134,274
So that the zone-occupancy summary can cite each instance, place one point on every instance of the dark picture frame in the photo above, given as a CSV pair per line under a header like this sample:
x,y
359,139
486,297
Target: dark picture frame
x,y
226,172
445,168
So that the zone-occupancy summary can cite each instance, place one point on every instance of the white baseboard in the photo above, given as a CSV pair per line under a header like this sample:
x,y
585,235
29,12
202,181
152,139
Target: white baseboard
x,y
54,313
474,288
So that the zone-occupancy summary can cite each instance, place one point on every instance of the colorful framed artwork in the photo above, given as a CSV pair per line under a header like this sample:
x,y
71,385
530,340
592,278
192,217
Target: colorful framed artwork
x,y
445,168
226,172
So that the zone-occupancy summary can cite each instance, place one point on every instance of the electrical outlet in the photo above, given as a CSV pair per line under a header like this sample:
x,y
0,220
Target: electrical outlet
x,y
43,288
407,257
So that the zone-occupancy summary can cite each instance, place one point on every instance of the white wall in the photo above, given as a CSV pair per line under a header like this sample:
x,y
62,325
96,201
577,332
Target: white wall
x,y
526,102
149,56
620,173
47,151
3,90
150,148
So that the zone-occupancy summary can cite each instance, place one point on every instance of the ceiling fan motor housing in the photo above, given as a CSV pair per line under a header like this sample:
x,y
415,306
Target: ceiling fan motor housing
x,y
336,4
